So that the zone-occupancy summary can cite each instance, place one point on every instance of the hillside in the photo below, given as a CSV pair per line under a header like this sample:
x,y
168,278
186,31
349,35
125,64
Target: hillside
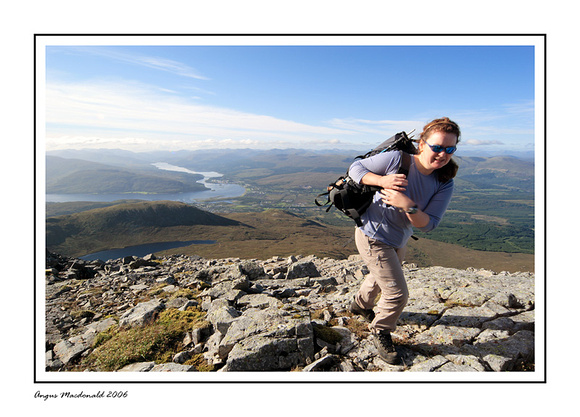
x,y
244,235
59,209
499,172
271,232
491,215
75,176
192,314
108,227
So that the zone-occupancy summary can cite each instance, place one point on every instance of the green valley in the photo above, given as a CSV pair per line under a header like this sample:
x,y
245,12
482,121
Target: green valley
x,y
489,224
248,235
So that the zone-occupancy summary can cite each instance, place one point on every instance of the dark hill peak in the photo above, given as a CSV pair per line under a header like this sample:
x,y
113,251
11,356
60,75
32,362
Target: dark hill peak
x,y
94,230
153,213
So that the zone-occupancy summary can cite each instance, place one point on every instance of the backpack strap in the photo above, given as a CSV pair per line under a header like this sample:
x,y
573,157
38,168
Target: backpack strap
x,y
340,182
405,163
327,194
404,169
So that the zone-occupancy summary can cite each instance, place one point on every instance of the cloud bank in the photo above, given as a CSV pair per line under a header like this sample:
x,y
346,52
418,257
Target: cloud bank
x,y
133,115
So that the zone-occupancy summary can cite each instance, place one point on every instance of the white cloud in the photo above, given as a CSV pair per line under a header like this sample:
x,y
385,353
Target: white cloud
x,y
132,114
162,64
167,65
509,119
477,142
101,114
523,107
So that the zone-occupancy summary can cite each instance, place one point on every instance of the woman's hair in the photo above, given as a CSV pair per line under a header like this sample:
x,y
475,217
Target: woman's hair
x,y
445,125
440,125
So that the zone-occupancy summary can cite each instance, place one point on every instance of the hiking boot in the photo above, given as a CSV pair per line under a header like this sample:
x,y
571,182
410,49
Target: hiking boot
x,y
384,345
369,314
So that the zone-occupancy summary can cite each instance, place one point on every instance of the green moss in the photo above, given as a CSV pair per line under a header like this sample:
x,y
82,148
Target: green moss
x,y
156,290
157,342
200,363
187,319
104,336
184,292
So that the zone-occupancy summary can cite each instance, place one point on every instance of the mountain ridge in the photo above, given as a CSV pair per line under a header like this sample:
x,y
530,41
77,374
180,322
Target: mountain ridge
x,y
278,160
92,229
77,176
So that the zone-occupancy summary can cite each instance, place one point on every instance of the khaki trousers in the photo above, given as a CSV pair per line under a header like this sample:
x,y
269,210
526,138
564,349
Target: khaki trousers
x,y
385,278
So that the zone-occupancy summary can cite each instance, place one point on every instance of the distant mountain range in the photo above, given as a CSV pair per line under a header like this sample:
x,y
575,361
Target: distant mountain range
x,y
77,176
496,172
117,171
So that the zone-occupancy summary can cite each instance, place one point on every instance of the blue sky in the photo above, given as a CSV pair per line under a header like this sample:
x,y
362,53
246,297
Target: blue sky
x,y
145,98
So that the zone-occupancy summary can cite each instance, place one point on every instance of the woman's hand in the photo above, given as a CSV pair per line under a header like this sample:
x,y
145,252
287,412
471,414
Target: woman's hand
x,y
401,201
397,199
396,182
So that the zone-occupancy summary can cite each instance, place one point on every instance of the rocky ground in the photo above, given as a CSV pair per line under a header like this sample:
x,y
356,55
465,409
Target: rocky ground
x,y
287,314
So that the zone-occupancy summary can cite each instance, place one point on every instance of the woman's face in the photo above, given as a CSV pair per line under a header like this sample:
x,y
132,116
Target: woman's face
x,y
431,160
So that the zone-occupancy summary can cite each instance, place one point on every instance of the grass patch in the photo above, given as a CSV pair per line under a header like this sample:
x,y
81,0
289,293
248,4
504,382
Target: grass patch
x,y
200,363
186,293
327,334
82,314
360,328
158,341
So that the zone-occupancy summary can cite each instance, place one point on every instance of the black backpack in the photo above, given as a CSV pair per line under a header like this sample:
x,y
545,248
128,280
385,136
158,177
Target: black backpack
x,y
352,198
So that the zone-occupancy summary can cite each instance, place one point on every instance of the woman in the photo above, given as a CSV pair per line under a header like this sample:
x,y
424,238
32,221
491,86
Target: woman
x,y
418,200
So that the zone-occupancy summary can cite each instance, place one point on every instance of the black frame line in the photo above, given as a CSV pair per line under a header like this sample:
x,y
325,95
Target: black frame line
x,y
266,381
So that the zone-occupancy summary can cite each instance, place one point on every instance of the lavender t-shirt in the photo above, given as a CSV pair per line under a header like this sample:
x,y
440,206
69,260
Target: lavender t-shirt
x,y
388,224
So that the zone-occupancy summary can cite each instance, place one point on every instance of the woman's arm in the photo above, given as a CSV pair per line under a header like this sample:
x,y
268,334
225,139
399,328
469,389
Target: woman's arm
x,y
392,181
397,199
379,171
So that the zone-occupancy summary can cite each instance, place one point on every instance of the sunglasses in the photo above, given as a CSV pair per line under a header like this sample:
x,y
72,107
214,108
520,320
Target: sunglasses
x,y
438,148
